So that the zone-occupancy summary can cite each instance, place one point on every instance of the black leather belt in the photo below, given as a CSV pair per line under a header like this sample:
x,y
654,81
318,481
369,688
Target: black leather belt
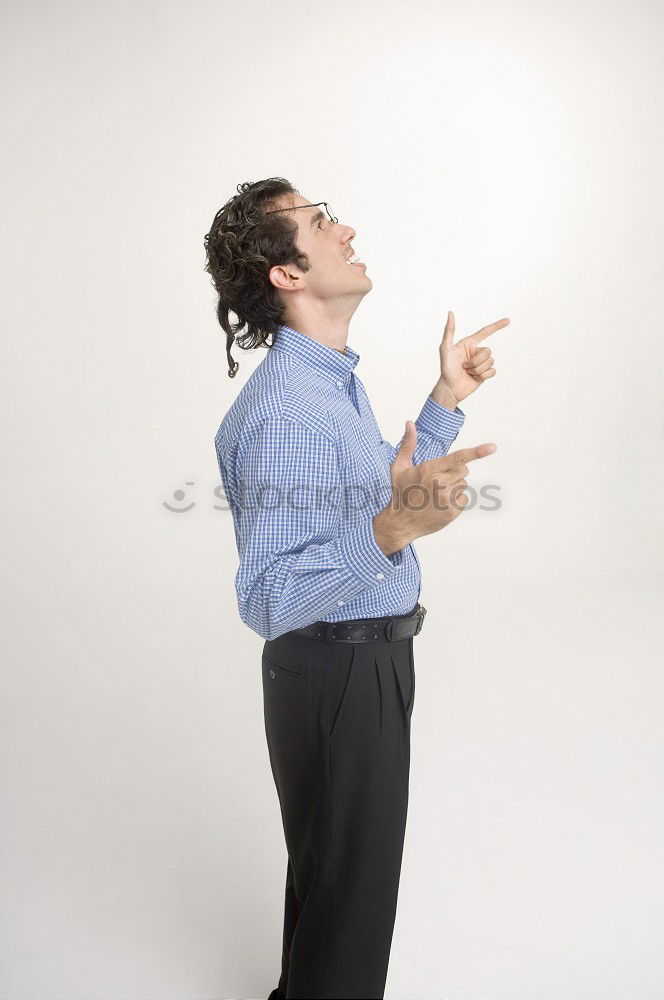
x,y
389,628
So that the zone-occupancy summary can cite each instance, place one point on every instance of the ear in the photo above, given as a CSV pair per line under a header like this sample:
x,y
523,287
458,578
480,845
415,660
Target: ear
x,y
286,278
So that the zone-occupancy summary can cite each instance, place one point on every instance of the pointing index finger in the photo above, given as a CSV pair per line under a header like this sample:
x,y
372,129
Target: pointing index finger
x,y
464,455
454,459
486,331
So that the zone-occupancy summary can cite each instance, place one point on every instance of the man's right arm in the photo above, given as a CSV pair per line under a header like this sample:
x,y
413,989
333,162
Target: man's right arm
x,y
300,557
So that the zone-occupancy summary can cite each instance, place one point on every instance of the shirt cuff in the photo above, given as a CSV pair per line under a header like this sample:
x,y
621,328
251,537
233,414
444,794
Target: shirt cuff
x,y
438,420
364,557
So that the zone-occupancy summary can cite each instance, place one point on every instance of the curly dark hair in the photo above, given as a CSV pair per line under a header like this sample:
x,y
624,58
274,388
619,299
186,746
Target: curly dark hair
x,y
242,245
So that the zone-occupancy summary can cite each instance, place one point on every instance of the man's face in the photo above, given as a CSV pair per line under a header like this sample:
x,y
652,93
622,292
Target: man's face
x,y
327,245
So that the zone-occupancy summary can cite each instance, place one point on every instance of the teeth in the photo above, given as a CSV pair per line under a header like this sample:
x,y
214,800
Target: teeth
x,y
352,260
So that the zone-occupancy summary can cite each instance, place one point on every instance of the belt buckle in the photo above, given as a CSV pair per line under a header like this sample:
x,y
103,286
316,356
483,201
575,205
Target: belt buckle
x,y
420,618
388,628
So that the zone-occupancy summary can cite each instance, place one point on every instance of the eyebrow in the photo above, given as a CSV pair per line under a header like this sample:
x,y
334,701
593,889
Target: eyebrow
x,y
314,218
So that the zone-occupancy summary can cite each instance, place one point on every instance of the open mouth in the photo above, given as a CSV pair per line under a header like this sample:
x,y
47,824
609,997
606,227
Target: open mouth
x,y
354,261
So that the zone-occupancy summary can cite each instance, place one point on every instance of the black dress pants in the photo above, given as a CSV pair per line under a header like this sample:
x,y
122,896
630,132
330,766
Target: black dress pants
x,y
337,721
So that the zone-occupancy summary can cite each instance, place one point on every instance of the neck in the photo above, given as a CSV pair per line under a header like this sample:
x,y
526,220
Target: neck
x,y
331,332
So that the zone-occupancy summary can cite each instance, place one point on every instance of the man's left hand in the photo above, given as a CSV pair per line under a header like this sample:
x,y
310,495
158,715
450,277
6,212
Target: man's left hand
x,y
464,366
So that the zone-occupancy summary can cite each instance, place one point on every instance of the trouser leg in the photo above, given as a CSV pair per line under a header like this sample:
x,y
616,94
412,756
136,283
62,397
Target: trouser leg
x,y
337,719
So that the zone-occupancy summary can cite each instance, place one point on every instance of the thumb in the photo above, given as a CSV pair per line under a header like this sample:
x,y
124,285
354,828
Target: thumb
x,y
406,449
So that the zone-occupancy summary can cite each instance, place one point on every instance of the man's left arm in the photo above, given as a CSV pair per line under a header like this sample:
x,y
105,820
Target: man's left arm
x,y
463,368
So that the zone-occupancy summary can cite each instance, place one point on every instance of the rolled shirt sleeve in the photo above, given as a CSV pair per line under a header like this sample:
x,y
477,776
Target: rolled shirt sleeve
x,y
437,429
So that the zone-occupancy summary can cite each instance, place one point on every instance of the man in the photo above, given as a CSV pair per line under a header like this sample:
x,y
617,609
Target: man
x,y
328,575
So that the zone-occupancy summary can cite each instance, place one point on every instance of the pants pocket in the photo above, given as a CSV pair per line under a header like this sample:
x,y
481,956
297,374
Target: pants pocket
x,y
273,665
404,672
341,680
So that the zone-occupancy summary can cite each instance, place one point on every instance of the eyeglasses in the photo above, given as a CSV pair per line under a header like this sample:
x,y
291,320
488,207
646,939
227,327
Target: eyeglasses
x,y
331,217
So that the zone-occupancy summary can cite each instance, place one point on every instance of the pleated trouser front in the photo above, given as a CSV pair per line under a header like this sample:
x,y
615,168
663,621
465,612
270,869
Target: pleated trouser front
x,y
337,721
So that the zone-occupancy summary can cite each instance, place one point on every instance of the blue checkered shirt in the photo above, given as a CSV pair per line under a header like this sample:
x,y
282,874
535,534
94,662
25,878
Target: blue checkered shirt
x,y
304,469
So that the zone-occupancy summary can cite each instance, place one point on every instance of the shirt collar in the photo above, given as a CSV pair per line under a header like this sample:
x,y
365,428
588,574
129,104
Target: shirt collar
x,y
326,360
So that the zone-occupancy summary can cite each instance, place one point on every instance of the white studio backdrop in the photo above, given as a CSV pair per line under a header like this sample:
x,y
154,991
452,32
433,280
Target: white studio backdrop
x,y
496,159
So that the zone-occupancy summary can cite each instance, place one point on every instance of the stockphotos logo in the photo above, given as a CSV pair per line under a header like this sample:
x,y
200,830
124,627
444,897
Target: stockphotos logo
x,y
374,496
359,496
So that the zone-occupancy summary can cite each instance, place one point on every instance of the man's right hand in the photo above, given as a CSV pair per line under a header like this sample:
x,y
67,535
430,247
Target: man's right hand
x,y
425,497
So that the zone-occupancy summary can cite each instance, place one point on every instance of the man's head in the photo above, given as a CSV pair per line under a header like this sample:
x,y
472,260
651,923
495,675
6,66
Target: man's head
x,y
330,288
275,258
